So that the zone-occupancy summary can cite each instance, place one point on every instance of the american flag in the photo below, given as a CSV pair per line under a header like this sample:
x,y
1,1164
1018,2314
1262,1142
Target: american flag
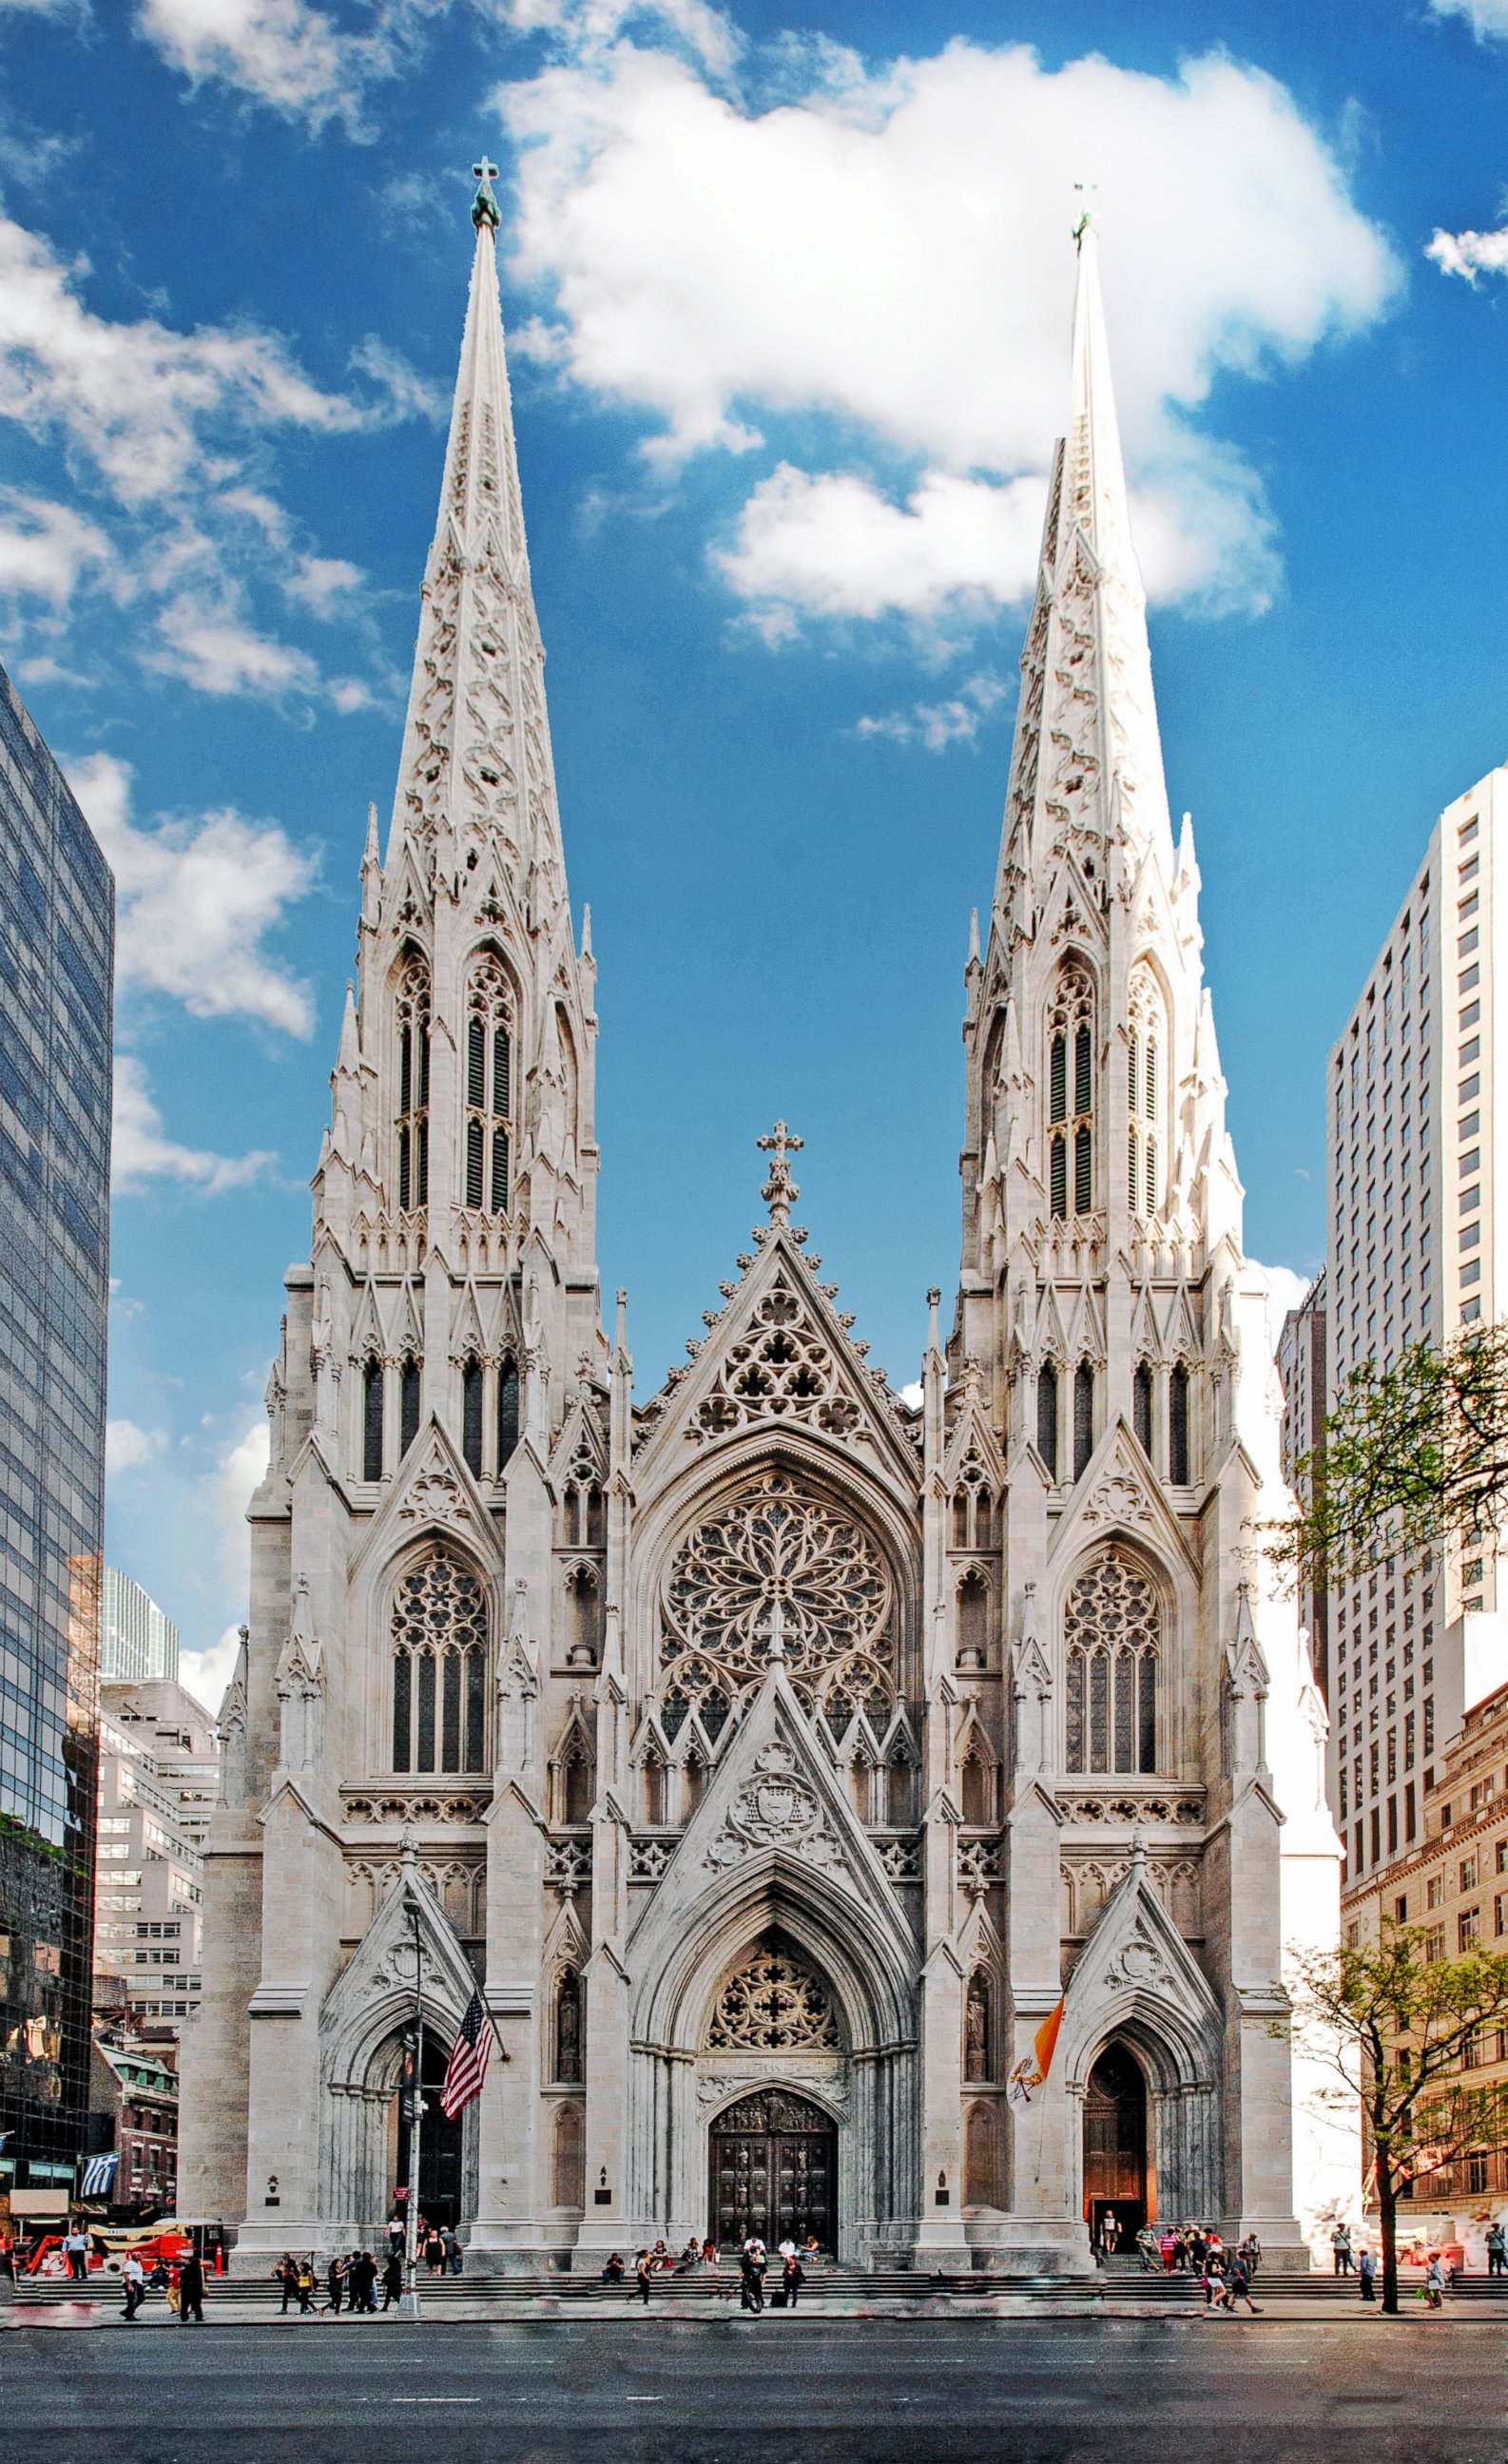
x,y
470,2054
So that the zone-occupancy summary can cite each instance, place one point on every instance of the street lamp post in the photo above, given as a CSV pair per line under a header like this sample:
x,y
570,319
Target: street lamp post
x,y
411,2252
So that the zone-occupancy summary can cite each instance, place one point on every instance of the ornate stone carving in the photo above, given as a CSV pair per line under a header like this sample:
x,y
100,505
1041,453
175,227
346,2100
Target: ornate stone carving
x,y
900,1861
1139,1961
775,1809
568,1864
775,2003
978,1866
1118,1498
648,1860
781,1368
434,1497
779,1575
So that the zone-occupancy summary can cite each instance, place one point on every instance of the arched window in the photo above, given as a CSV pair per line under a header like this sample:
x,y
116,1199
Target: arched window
x,y
654,1791
507,1411
439,1667
1141,1405
471,1417
1071,1092
372,1396
407,1405
1141,1088
1112,1628
568,2070
571,2155
977,2048
1178,1426
414,1085
489,1088
860,1786
1083,1418
1046,1417
693,1784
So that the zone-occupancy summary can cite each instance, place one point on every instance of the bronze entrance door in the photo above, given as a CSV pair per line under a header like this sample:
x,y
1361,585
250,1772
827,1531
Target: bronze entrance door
x,y
774,2171
1115,2149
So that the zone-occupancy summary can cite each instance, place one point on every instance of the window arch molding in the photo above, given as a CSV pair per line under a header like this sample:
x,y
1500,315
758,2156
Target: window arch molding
x,y
688,1502
435,1656
1071,1079
377,1580
491,1077
1142,1612
410,1012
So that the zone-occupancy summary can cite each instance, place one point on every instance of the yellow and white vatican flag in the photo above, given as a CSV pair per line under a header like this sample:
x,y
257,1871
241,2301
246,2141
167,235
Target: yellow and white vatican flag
x,y
1033,2067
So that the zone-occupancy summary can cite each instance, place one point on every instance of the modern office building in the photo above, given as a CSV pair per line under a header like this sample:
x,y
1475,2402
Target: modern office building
x,y
136,1641
159,1776
57,966
1301,1370
1414,1088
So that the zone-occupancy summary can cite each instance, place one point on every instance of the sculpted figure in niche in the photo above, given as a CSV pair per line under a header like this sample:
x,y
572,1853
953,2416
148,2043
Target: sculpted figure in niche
x,y
976,2030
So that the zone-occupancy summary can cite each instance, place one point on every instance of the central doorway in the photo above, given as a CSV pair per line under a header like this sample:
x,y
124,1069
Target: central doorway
x,y
441,2144
774,2171
1115,2151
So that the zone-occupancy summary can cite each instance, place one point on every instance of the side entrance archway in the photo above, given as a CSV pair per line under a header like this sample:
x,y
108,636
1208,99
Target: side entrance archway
x,y
441,2144
1115,2187
773,2171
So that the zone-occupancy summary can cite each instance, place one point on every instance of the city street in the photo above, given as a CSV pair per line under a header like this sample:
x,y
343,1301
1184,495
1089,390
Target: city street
x,y
1421,2392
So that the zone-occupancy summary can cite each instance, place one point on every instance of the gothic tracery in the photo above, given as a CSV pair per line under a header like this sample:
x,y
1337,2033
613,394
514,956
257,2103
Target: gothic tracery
x,y
775,2003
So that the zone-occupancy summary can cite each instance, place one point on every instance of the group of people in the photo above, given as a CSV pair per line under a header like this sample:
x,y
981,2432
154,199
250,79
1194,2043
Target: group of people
x,y
1187,2250
353,2280
183,2283
754,2267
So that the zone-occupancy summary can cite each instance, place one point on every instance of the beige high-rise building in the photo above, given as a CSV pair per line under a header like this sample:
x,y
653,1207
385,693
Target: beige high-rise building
x,y
880,1821
137,1639
159,1778
1416,1089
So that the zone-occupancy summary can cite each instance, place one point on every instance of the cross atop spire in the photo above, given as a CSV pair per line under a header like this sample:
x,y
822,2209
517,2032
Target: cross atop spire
x,y
484,205
780,1192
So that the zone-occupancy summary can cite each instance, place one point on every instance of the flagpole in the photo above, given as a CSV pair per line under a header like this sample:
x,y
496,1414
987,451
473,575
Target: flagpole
x,y
411,2297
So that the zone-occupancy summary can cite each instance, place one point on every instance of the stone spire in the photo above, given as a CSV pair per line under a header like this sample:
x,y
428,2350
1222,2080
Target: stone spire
x,y
477,777
1086,767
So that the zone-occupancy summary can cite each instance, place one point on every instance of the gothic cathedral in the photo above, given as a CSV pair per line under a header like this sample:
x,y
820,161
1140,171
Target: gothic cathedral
x,y
879,1822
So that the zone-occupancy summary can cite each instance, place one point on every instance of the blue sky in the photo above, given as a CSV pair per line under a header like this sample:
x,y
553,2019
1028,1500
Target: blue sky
x,y
787,295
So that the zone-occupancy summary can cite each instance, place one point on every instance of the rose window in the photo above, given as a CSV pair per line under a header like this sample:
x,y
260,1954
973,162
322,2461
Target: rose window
x,y
774,2004
778,1573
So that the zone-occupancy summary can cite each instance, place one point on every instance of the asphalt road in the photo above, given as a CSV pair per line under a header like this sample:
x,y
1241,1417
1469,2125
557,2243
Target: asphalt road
x,y
1184,2392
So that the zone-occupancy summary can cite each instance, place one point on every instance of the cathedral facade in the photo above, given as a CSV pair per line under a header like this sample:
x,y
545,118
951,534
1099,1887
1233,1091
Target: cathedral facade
x,y
876,1819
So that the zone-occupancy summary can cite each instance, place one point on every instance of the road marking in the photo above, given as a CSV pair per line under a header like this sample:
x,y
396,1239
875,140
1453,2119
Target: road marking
x,y
643,2399
430,2399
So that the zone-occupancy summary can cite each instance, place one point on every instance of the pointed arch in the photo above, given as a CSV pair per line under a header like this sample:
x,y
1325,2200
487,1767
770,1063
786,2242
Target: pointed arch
x,y
411,1121
438,1634
1113,1647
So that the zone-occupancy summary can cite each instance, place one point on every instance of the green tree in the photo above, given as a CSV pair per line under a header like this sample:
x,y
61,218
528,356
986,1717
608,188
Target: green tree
x,y
1414,1457
1396,2024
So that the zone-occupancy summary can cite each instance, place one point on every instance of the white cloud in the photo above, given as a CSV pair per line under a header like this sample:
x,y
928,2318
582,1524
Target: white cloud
x,y
1285,1291
1471,252
405,393
323,582
281,52
206,1674
230,1485
143,1153
937,725
195,901
590,27
171,435
214,650
129,1449
891,248
1486,18
45,547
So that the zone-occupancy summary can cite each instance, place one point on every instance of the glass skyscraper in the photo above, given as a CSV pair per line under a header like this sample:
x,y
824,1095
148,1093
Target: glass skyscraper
x,y
57,968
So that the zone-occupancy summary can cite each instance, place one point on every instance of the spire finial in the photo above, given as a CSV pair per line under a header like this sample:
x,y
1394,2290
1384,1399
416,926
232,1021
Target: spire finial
x,y
780,1192
484,205
1084,189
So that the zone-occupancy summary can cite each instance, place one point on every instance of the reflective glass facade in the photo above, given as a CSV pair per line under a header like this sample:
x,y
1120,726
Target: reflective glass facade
x,y
57,965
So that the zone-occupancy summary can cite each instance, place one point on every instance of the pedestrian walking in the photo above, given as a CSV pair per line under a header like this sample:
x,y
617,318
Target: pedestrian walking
x,y
133,2280
1434,2284
335,2284
392,2281
191,2292
643,2270
453,2249
286,2274
397,2233
435,2250
1341,2250
1214,2274
792,2277
306,2288
1238,2286
1367,2271
1496,2251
